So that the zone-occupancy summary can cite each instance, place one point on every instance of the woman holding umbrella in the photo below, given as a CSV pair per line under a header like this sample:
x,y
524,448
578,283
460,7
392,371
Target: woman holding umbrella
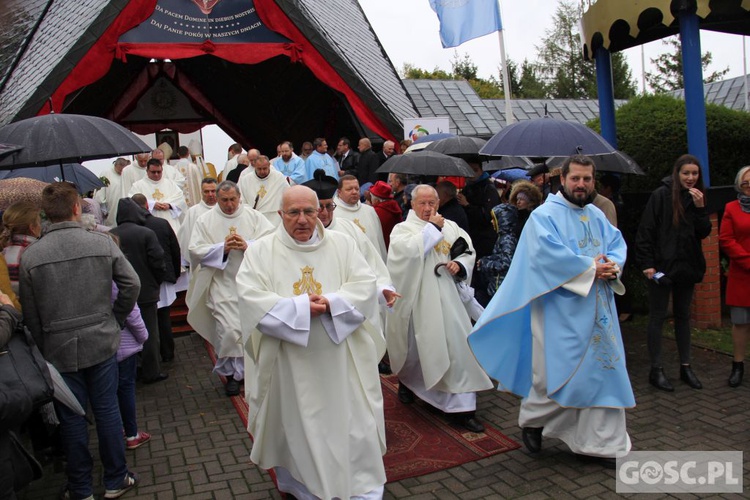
x,y
734,239
668,248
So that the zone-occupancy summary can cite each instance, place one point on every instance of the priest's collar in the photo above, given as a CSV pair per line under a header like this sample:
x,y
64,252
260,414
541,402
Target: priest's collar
x,y
344,204
237,213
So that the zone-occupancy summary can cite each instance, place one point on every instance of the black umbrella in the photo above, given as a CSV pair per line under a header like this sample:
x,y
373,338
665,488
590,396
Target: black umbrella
x,y
84,179
8,149
546,137
426,163
459,146
62,138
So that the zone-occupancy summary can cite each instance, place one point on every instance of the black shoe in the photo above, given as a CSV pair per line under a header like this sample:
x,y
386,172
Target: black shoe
x,y
606,462
405,395
384,368
687,376
659,380
532,438
469,422
233,387
738,370
158,378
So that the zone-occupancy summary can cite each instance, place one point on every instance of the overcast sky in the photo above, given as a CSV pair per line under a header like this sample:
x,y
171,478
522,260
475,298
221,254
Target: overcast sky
x,y
408,29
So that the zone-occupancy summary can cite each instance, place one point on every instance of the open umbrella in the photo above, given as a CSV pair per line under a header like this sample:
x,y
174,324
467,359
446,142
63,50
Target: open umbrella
x,y
62,138
84,179
426,163
617,161
426,140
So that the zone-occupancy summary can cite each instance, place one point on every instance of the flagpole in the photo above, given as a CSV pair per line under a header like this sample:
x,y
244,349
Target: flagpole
x,y
506,76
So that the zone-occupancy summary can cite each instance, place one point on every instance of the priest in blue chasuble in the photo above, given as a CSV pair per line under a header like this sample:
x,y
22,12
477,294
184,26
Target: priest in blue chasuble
x,y
551,334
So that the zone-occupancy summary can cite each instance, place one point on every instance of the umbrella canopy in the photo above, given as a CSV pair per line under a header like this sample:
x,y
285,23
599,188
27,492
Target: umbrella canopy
x,y
8,149
13,190
426,163
60,138
617,161
426,140
511,174
84,179
546,137
459,146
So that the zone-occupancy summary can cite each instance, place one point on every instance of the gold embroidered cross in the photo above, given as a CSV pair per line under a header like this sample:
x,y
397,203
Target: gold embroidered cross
x,y
443,247
356,221
262,191
158,195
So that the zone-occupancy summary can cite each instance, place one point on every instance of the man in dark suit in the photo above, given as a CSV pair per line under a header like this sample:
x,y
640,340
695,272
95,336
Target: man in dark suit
x,y
347,159
389,147
368,163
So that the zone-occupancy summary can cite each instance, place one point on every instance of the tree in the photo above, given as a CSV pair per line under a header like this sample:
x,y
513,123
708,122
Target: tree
x,y
463,68
411,72
668,74
561,64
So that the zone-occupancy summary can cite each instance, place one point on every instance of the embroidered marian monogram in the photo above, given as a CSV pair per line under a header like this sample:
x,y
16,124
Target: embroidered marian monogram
x,y
443,247
232,231
307,283
262,191
588,237
158,195
356,221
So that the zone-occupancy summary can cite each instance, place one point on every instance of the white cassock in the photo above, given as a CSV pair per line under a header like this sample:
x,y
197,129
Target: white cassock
x,y
130,175
230,165
316,407
173,174
264,195
186,229
193,177
109,196
370,254
365,217
427,331
212,294
162,191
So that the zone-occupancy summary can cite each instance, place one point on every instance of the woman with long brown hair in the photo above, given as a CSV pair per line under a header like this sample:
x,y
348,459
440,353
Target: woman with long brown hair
x,y
668,249
22,226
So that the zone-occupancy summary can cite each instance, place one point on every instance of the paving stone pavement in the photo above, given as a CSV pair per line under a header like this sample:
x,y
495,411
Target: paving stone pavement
x,y
200,450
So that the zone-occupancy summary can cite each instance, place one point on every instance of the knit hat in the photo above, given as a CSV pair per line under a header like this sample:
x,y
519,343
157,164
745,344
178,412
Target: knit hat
x,y
382,190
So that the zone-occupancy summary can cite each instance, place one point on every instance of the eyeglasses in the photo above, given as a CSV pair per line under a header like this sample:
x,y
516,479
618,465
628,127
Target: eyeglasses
x,y
308,212
328,206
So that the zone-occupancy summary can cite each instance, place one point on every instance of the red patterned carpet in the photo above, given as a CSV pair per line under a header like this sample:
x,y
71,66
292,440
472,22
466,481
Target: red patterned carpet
x,y
419,439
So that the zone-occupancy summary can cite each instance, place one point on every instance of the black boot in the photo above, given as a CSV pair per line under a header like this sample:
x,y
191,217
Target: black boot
x,y
532,438
687,376
738,370
659,380
405,395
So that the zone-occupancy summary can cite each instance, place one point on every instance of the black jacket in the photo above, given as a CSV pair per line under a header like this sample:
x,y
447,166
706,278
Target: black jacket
x,y
141,246
482,197
368,164
675,251
455,212
168,242
350,163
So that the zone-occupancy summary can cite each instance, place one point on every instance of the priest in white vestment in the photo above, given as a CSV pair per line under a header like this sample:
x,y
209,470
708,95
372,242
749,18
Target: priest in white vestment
x,y
219,241
208,200
427,331
312,343
262,188
134,172
193,176
165,198
361,214
551,333
109,196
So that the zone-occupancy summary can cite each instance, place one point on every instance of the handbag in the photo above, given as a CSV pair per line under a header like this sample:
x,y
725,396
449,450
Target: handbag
x,y
22,363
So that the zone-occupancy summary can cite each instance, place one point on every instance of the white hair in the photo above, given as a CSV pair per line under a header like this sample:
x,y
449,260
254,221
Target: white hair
x,y
740,175
421,187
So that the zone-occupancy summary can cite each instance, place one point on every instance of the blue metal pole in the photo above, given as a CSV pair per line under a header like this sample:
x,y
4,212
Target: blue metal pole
x,y
695,106
605,90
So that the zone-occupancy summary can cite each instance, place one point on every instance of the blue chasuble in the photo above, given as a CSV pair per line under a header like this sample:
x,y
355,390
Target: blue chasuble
x,y
295,169
319,160
584,354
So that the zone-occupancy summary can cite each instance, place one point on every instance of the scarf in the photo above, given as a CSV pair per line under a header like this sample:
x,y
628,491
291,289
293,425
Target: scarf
x,y
744,203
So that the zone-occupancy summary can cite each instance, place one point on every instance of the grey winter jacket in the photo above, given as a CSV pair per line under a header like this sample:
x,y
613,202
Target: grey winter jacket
x,y
65,287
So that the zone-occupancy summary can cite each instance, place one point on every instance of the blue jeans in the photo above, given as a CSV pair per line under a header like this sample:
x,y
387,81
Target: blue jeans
x,y
126,394
96,385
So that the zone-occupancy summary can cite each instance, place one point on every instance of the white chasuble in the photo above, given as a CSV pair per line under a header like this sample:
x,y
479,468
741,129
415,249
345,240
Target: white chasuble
x,y
162,191
316,406
264,195
365,218
212,294
432,304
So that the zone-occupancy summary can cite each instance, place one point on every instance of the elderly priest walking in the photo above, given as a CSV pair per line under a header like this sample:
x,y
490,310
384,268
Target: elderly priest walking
x,y
427,331
316,407
550,333
219,240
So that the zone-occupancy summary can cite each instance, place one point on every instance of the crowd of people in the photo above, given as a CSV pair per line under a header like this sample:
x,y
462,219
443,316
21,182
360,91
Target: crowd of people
x,y
311,274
